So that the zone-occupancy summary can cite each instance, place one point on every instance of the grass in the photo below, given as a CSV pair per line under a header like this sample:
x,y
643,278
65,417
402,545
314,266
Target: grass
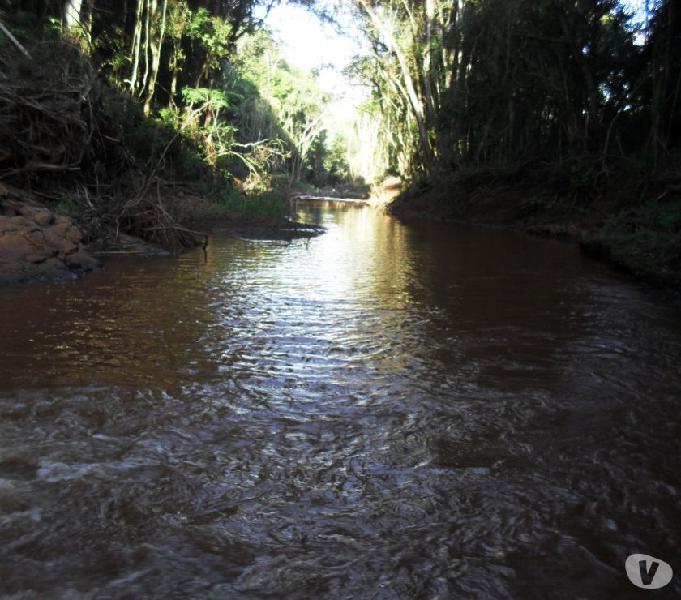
x,y
260,206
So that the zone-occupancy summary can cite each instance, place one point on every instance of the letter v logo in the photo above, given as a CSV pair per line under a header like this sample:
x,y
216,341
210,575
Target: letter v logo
x,y
648,572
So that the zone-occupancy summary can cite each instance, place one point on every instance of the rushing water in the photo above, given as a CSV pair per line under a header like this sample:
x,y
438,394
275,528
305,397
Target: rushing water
x,y
386,411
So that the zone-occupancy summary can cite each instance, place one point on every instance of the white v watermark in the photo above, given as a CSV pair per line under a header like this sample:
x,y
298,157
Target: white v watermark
x,y
648,572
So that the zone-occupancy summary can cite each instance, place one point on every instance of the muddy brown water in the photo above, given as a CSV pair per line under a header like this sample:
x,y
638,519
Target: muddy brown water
x,y
387,411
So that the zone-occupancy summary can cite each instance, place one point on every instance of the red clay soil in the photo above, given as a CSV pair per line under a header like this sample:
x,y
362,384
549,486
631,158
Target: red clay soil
x,y
36,244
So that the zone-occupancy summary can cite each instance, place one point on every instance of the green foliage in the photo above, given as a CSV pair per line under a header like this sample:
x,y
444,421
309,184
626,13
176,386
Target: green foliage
x,y
179,19
211,94
258,206
151,140
213,32
111,45
335,162
215,99
290,104
68,207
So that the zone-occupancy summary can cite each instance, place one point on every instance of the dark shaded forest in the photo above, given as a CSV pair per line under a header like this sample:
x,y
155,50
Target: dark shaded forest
x,y
496,82
559,117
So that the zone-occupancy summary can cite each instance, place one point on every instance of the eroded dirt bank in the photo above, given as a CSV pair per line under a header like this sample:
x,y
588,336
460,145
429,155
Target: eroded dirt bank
x,y
37,244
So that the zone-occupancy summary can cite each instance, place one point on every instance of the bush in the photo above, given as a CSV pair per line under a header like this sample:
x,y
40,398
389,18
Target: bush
x,y
267,205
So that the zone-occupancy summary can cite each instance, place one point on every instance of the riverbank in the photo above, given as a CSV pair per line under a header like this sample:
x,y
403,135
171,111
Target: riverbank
x,y
40,243
633,223
88,169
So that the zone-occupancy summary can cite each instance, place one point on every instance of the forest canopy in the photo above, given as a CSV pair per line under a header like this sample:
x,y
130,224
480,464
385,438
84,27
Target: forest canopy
x,y
507,81
451,84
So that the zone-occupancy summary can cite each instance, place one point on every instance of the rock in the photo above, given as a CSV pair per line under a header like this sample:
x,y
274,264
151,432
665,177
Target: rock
x,y
14,243
37,244
53,269
10,272
67,230
56,239
43,218
13,224
41,255
82,260
74,234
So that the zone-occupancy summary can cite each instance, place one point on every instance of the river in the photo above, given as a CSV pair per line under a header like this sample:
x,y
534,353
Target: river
x,y
386,411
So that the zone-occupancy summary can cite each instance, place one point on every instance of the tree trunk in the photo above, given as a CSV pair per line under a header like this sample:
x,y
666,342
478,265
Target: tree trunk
x,y
428,63
72,13
150,9
156,46
415,101
136,45
174,73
